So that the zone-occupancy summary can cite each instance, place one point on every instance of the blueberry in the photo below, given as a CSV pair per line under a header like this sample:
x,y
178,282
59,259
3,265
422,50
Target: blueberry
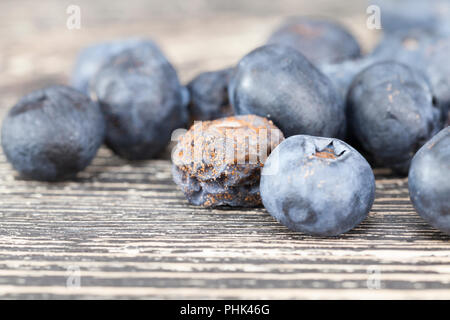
x,y
429,181
419,49
279,83
342,74
319,186
52,134
321,41
209,95
405,15
142,100
438,71
392,113
402,46
218,163
425,52
92,58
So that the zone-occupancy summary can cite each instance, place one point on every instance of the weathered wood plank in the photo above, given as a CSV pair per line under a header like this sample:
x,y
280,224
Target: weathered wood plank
x,y
125,229
149,243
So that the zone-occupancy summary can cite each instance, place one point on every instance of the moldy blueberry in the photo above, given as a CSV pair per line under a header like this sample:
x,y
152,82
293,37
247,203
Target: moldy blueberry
x,y
142,100
429,181
92,58
52,134
319,186
209,95
321,41
392,113
279,83
218,163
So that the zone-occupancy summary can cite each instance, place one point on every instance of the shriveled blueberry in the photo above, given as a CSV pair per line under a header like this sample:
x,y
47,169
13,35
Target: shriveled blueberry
x,y
209,95
92,58
392,113
52,134
218,163
279,83
142,100
429,181
319,186
321,41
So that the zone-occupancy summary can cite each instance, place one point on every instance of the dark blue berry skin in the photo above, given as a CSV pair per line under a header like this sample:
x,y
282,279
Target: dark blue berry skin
x,y
342,74
392,113
319,186
429,181
209,95
142,100
321,41
52,134
419,49
438,71
279,83
405,15
403,46
425,52
92,58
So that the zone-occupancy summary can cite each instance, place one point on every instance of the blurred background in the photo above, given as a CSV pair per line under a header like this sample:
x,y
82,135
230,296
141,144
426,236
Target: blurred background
x,y
37,48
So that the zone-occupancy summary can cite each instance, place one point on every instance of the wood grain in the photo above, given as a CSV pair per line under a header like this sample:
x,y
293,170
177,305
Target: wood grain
x,y
126,230
131,234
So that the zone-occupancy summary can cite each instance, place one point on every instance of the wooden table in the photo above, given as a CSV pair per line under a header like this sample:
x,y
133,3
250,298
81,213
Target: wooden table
x,y
123,230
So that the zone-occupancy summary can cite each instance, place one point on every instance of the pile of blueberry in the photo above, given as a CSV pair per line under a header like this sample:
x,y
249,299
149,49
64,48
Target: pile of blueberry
x,y
309,84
